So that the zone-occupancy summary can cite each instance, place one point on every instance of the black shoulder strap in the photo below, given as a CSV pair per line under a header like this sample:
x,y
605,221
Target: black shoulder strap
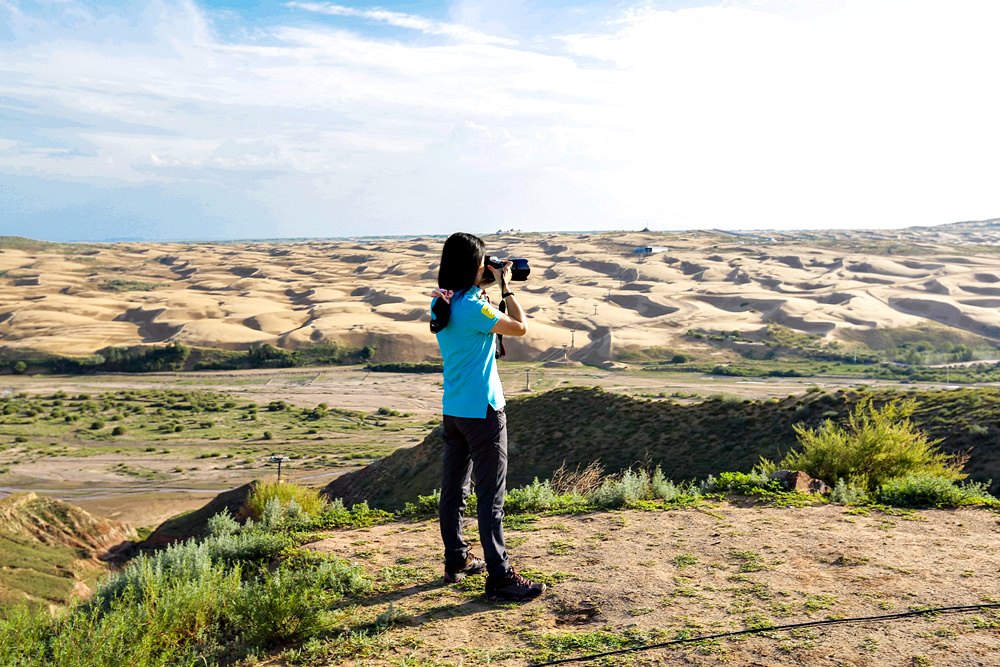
x,y
501,352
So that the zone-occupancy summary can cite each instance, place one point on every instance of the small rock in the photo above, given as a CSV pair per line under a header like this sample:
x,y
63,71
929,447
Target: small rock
x,y
796,480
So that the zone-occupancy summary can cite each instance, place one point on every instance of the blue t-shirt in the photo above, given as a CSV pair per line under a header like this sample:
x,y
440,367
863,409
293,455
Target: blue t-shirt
x,y
471,381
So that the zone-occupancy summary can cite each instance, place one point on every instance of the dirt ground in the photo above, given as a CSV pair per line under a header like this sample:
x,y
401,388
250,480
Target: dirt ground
x,y
695,572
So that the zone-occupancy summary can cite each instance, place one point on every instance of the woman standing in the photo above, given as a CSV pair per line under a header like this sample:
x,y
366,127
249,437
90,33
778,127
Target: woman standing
x,y
475,426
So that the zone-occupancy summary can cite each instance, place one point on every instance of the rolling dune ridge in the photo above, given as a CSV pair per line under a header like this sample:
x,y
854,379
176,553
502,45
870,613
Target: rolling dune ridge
x,y
592,291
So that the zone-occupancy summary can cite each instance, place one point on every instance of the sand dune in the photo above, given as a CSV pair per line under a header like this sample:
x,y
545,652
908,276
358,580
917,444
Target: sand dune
x,y
276,323
950,314
885,267
588,293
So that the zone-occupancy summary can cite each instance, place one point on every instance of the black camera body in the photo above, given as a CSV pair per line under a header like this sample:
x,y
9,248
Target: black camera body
x,y
518,271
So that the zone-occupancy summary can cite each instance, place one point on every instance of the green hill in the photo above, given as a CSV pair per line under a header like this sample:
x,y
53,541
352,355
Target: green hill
x,y
689,441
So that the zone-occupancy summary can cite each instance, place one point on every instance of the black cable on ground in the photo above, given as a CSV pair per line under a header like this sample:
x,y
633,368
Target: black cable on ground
x,y
834,621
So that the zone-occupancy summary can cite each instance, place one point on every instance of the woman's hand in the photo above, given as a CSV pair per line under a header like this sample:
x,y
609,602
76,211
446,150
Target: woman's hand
x,y
502,276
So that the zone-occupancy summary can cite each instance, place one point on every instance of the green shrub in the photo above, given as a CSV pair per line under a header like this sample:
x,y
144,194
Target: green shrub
x,y
208,602
977,430
746,483
622,490
335,515
924,490
540,497
848,492
118,430
872,447
306,499
424,506
406,367
664,489
536,497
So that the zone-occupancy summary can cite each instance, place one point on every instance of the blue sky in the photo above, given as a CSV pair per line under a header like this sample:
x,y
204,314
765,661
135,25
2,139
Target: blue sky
x,y
173,119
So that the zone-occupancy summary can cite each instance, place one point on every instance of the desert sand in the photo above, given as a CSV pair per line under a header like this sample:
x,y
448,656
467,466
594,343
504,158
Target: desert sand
x,y
591,296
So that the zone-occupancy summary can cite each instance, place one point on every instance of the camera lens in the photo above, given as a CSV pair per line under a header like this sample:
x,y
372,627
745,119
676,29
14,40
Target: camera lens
x,y
520,269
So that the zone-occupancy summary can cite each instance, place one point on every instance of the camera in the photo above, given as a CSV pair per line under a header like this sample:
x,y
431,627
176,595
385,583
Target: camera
x,y
518,271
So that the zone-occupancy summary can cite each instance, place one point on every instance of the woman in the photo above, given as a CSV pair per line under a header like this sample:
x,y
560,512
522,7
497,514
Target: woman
x,y
475,426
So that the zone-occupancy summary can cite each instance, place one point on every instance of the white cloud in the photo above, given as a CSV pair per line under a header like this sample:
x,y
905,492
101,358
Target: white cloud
x,y
761,113
407,21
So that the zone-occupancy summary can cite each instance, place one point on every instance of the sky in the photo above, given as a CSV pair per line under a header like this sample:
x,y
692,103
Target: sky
x,y
214,120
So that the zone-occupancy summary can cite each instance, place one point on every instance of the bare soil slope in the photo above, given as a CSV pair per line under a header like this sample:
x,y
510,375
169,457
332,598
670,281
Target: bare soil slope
x,y
626,576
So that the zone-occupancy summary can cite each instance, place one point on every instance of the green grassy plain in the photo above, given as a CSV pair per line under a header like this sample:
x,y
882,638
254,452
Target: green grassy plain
x,y
185,427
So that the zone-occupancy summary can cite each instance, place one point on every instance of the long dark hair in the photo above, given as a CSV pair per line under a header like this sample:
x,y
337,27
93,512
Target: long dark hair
x,y
461,258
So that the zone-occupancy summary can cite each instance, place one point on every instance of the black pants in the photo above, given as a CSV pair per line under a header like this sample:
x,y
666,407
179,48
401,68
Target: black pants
x,y
475,449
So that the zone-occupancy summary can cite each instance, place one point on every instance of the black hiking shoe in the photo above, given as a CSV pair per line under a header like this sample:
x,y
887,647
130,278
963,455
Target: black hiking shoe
x,y
512,588
473,565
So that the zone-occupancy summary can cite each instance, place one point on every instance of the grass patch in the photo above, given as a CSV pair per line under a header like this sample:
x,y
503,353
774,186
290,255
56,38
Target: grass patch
x,y
749,561
551,646
682,561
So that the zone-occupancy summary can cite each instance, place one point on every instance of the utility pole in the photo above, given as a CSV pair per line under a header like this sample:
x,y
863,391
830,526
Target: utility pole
x,y
572,339
279,460
527,379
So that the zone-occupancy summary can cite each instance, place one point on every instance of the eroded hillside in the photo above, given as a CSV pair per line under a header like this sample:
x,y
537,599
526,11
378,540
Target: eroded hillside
x,y
52,551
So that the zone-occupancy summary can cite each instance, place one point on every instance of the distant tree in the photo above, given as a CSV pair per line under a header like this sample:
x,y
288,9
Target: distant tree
x,y
961,353
20,368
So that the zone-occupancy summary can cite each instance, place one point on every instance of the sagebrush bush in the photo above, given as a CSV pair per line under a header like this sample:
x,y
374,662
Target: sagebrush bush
x,y
541,497
872,447
624,490
848,492
307,500
923,490
662,488
204,602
